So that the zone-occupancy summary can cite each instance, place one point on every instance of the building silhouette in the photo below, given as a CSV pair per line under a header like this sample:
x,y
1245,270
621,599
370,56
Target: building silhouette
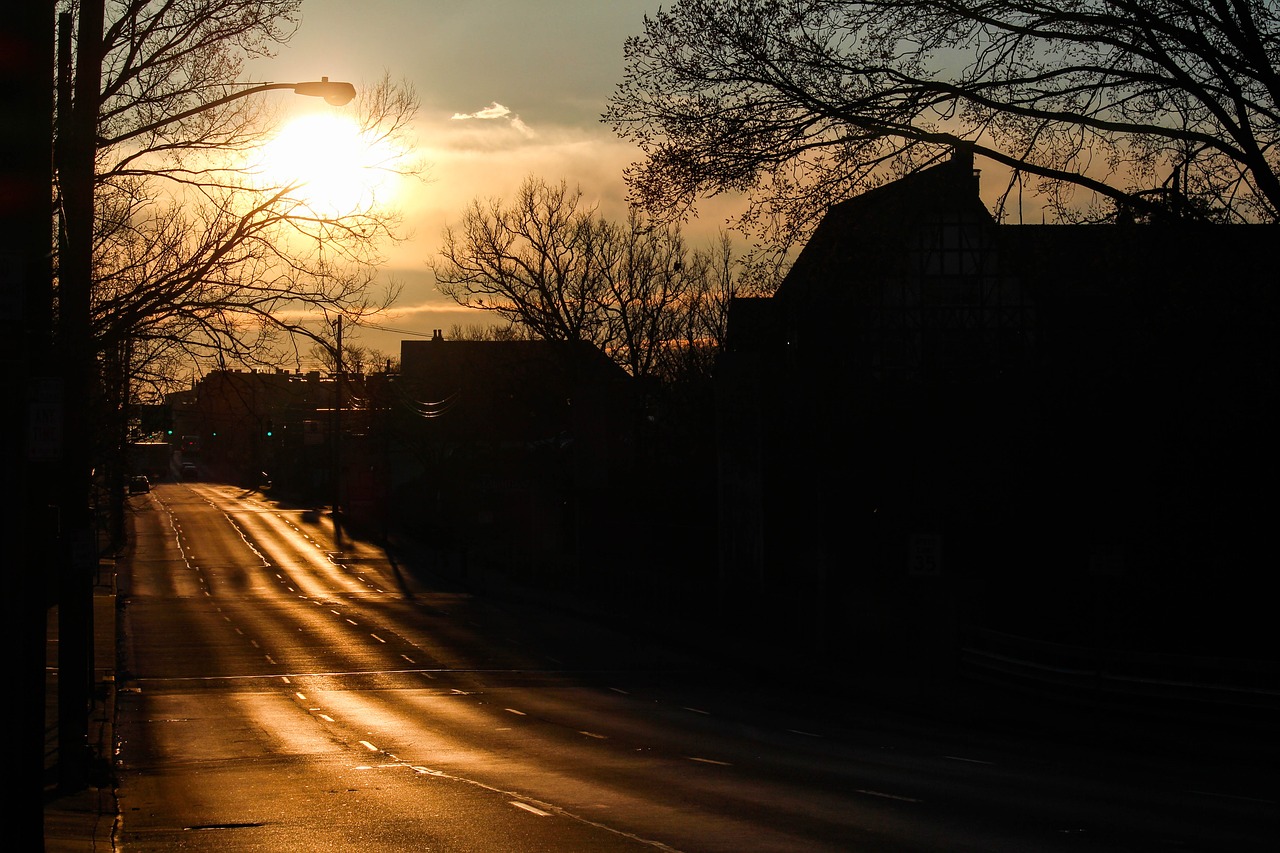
x,y
941,432
941,424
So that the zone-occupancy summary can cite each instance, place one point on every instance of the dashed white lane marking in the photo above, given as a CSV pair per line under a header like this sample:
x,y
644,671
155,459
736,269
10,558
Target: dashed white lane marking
x,y
699,711
967,760
379,639
708,761
514,711
883,795
530,809
803,733
368,746
594,735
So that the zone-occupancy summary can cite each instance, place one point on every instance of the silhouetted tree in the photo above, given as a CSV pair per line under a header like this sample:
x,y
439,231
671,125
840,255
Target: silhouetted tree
x,y
1152,106
551,264
198,254
509,332
356,358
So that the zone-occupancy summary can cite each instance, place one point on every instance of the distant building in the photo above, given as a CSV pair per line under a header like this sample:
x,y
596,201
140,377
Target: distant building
x,y
517,446
516,391
941,421
241,424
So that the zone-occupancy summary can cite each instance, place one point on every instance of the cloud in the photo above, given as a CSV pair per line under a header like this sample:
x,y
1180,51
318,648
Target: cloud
x,y
496,110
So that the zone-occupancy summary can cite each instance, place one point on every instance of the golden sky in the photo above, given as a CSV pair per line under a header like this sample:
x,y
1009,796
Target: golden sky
x,y
509,88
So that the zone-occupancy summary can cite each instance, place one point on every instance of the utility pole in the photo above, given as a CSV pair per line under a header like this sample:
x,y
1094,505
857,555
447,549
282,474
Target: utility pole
x,y
337,437
28,437
77,127
79,101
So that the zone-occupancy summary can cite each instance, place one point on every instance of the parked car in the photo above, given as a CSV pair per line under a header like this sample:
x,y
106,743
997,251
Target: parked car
x,y
189,471
139,484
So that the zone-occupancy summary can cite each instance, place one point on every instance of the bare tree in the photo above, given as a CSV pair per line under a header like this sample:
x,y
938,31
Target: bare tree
x,y
196,249
356,358
553,266
712,279
1153,107
645,285
509,332
536,261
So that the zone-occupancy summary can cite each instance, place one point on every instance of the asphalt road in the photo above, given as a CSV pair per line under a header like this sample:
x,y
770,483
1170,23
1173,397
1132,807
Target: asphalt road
x,y
280,691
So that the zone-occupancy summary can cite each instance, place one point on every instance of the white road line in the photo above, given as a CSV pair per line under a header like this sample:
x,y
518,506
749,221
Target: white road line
x,y
883,795
514,711
379,639
530,809
708,761
368,746
967,760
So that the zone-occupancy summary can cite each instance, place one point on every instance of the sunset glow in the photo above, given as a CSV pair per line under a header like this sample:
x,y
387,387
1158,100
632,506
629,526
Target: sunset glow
x,y
339,170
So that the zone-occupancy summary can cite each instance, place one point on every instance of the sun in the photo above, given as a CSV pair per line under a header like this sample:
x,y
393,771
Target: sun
x,y
338,168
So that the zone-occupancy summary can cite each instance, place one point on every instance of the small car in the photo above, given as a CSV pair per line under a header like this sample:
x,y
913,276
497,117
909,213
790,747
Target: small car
x,y
139,484
189,471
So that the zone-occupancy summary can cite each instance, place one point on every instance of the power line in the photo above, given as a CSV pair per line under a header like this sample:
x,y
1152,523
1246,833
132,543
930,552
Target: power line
x,y
364,325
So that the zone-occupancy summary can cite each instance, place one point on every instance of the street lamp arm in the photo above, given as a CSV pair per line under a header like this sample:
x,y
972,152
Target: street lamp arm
x,y
336,93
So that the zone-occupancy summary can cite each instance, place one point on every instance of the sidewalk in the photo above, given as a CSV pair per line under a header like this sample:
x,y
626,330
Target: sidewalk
x,y
84,820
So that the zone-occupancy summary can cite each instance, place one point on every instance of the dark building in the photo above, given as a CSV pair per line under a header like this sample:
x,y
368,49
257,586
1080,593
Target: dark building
x,y
940,423
514,452
239,425
521,391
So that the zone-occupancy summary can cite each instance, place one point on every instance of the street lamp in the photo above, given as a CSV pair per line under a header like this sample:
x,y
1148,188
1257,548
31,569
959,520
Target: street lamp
x,y
334,92
77,124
